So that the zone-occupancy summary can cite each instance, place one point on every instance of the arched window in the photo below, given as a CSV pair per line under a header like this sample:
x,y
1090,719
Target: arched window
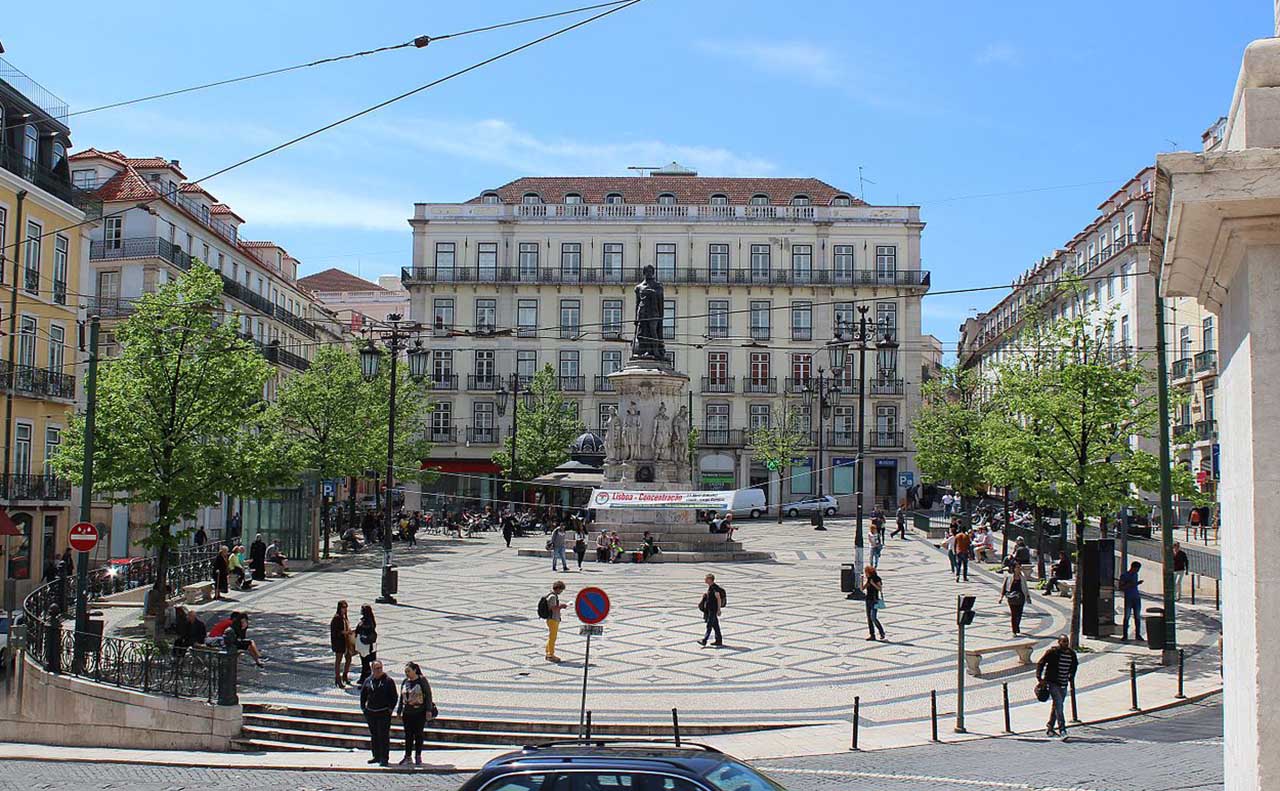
x,y
573,198
59,152
666,199
531,197
614,198
30,143
490,198
759,200
840,200
800,200
719,200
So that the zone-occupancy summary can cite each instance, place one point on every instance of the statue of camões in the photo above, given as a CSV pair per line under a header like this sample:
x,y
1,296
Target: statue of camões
x,y
648,343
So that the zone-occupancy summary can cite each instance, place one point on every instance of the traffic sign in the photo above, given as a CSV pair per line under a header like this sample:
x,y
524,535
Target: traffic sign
x,y
906,479
83,537
591,605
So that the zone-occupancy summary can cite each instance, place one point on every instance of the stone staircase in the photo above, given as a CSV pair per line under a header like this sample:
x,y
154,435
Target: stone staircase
x,y
280,727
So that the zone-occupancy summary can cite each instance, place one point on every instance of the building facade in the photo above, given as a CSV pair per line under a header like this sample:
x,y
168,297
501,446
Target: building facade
x,y
757,273
42,243
355,300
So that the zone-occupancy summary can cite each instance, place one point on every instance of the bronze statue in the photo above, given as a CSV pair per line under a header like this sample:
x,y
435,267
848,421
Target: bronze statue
x,y
648,344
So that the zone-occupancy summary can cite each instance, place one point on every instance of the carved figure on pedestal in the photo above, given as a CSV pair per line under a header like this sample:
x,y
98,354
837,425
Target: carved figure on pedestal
x,y
661,434
680,439
648,344
613,448
631,433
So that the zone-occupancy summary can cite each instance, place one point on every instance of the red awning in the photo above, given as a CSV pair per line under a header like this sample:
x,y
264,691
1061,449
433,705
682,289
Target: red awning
x,y
7,526
461,465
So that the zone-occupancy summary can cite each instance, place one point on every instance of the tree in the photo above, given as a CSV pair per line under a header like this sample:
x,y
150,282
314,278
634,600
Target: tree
x,y
180,415
778,443
546,430
949,429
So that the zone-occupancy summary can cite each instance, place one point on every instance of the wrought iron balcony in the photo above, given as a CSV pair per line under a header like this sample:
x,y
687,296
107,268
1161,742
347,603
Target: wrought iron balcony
x,y
611,333
443,381
442,435
1183,429
1207,429
603,384
277,354
571,384
885,439
888,386
842,439
482,435
243,293
1207,362
1181,368
482,382
722,438
901,278
34,382
754,385
20,486
140,247
717,384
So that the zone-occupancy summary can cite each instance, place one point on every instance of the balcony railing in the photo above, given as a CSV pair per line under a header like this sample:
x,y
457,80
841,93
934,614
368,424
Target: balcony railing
x,y
1183,429
443,381
29,380
482,382
442,435
885,439
276,354
140,247
902,278
1181,368
842,439
795,384
482,435
243,293
110,307
604,384
758,385
1207,361
56,184
760,333
663,212
1207,429
18,486
722,437
882,387
571,384
717,384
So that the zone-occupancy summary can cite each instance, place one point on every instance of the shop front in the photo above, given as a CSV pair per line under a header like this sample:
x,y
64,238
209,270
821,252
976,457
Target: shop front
x,y
716,473
463,485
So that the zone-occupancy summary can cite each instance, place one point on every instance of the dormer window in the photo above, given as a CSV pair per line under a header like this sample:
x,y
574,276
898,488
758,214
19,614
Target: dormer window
x,y
490,198
759,200
841,200
800,200
614,199
719,200
666,199
573,198
531,198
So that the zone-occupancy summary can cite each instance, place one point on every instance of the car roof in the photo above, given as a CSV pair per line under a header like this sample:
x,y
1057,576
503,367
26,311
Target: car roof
x,y
695,760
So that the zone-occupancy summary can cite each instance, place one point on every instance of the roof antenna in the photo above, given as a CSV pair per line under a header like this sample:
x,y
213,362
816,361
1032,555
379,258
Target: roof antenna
x,y
862,192
643,170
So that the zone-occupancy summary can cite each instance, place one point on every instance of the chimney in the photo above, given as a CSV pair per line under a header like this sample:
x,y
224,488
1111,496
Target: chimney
x,y
174,162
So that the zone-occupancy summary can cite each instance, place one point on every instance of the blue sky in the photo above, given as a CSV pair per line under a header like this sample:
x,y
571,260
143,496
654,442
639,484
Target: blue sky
x,y
934,100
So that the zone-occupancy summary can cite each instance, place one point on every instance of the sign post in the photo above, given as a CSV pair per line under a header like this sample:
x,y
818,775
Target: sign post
x,y
591,606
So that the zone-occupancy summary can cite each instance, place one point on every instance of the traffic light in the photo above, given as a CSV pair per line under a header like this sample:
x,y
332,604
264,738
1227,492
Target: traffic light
x,y
964,610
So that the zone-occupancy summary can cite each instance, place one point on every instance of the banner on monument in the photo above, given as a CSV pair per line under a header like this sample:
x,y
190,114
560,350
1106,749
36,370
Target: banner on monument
x,y
608,499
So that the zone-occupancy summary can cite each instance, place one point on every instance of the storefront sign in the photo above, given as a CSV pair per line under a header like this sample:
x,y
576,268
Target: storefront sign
x,y
886,462
609,499
845,461
717,481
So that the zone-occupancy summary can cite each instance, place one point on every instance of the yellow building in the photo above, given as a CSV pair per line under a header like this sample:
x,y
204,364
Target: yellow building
x,y
44,239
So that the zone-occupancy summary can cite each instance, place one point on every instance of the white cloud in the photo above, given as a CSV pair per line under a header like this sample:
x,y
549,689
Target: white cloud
x,y
289,203
791,58
998,53
498,142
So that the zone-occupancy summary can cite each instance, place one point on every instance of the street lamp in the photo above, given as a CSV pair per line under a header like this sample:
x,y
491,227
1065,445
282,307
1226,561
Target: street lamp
x,y
861,337
505,396
826,392
395,333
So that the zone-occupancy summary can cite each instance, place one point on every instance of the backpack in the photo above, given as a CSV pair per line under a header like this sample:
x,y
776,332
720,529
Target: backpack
x,y
544,609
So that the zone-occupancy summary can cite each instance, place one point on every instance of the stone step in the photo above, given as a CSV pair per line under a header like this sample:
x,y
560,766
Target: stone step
x,y
304,739
717,555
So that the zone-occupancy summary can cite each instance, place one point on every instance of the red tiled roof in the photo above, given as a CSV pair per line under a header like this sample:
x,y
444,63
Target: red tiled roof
x,y
89,153
331,280
152,163
222,208
126,185
248,243
687,189
196,188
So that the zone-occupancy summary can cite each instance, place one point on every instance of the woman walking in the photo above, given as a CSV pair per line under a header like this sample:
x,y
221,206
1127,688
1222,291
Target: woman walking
x,y
580,544
366,641
873,586
342,641
1016,593
415,707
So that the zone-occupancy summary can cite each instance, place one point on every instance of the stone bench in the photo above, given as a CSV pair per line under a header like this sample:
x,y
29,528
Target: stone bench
x,y
973,656
197,592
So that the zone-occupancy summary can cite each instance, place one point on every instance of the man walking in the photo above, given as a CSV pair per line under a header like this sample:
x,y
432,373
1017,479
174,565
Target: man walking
x,y
901,529
378,698
1129,583
711,605
1179,569
947,502
557,548
549,608
961,547
1057,670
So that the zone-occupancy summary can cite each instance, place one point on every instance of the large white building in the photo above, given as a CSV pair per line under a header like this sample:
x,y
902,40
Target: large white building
x,y
757,271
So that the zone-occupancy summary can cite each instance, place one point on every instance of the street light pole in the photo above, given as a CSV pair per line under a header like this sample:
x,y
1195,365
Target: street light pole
x,y
389,590
513,394
826,393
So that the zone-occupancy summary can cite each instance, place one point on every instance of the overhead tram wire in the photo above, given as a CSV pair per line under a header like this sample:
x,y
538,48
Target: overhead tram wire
x,y
612,8
418,42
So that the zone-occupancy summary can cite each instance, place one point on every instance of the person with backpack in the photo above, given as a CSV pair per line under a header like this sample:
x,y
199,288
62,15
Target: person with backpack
x,y
1014,590
580,544
366,642
549,608
712,603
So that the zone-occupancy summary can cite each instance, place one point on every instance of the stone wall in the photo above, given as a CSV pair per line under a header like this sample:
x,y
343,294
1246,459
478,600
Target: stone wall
x,y
68,711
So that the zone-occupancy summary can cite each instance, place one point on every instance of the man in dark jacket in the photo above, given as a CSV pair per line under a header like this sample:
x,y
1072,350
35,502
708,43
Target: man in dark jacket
x,y
378,698
711,605
1057,669
258,558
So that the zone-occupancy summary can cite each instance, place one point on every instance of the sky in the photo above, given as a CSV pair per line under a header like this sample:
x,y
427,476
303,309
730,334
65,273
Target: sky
x,y
1008,123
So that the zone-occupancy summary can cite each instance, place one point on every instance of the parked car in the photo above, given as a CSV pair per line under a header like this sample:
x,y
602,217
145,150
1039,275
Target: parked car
x,y
622,765
826,504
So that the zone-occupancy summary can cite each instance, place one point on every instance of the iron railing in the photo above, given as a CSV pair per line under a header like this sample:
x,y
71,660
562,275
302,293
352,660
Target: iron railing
x,y
718,384
443,381
442,435
482,382
885,439
722,437
886,387
752,384
604,384
903,278
19,486
33,381
1206,429
1181,368
1207,361
140,247
1183,429
482,435
571,384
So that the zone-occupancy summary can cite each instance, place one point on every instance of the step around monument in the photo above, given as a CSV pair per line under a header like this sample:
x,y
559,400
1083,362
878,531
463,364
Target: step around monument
x,y
717,554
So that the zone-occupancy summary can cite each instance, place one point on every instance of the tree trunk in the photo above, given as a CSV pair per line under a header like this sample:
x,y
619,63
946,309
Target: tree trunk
x,y
1075,589
1039,519
160,588
351,504
780,498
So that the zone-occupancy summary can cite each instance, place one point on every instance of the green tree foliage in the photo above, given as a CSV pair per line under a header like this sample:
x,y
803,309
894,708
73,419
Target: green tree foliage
x,y
777,444
546,430
180,415
948,432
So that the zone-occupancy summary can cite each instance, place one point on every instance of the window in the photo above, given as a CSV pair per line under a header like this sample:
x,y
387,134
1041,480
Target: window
x,y
844,423
1206,335
718,262
441,420
1111,286
886,320
801,368
486,365
717,368
800,200
571,260
573,198
843,262
887,365
57,347
31,268
20,557
886,261
526,365
442,313
570,318
759,366
528,260
603,412
482,420
760,263
611,317
30,147
842,472
27,342
801,483
1208,403
801,262
666,199
759,312
669,320
568,364
61,249
442,367
759,416
53,441
717,420
1184,342
1124,334
717,318
801,321
759,200
612,261
445,260
530,198
610,362
1092,254
84,179
150,279
490,198
1126,269
665,258
487,260
719,200
527,317
22,449
486,315
841,200
614,199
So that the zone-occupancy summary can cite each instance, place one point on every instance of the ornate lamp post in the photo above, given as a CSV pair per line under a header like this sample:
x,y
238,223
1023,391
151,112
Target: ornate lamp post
x,y
507,392
826,392
861,337
394,333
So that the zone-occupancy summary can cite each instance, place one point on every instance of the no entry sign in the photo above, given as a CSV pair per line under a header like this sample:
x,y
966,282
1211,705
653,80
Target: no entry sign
x,y
83,537
592,605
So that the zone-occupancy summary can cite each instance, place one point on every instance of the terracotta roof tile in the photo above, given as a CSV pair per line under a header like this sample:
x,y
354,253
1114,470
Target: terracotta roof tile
x,y
331,280
222,208
687,189
152,163
89,153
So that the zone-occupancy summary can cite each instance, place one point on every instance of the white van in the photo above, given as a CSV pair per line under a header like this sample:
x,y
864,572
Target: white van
x,y
748,502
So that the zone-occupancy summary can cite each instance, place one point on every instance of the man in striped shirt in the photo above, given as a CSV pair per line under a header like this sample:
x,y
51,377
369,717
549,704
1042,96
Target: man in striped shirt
x,y
1057,669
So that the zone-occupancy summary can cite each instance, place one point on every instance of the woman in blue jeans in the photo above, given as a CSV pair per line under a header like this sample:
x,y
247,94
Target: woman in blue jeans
x,y
873,587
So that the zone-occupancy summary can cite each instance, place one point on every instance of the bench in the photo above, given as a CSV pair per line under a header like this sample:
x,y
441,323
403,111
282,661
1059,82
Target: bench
x,y
197,592
973,656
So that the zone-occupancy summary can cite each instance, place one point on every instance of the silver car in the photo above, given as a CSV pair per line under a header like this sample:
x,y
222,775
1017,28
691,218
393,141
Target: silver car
x,y
809,505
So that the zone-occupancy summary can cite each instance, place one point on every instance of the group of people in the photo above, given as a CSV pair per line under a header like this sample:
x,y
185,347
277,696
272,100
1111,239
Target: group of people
x,y
232,561
412,703
231,633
